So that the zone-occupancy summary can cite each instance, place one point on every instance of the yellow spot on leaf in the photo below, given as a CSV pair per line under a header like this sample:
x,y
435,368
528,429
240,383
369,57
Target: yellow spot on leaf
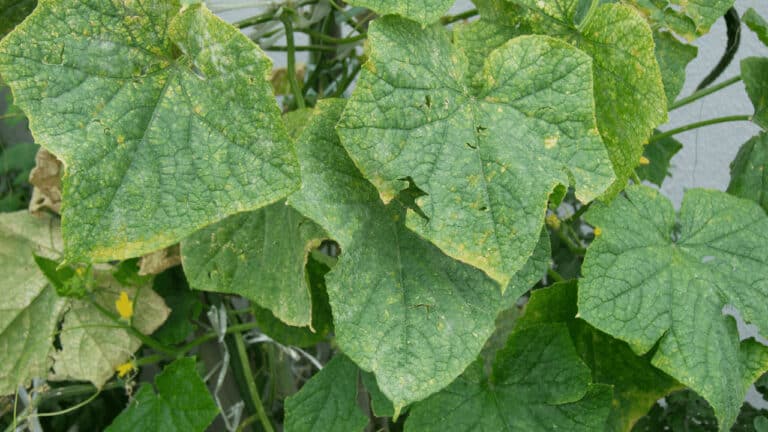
x,y
124,306
124,369
598,231
644,160
551,141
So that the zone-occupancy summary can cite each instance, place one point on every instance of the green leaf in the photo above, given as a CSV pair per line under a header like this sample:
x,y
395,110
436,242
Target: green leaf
x,y
402,309
140,109
92,345
628,88
673,56
260,255
487,158
636,384
184,303
753,73
182,403
748,171
757,24
422,11
650,280
328,401
380,405
31,308
12,12
688,18
68,281
538,384
658,154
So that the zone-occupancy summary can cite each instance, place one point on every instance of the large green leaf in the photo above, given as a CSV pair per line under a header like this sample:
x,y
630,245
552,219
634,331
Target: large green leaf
x,y
636,384
651,280
629,92
30,307
488,157
182,403
688,18
328,401
140,103
402,309
260,255
12,12
538,383
422,11
749,178
673,56
754,71
757,24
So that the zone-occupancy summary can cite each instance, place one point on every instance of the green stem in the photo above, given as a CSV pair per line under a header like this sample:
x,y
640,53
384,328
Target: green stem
x,y
635,178
569,243
557,277
295,87
669,133
299,48
703,92
330,39
212,335
343,85
250,381
588,17
450,19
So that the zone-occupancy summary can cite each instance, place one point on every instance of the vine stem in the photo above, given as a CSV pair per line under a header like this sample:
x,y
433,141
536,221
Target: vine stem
x,y
250,382
450,19
212,335
557,277
295,87
726,119
704,92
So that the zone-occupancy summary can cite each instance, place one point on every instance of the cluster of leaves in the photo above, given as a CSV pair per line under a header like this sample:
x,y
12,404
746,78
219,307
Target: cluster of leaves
x,y
399,229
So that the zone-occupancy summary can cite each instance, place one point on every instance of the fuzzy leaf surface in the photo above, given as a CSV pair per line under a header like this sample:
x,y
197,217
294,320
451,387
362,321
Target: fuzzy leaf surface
x,y
137,100
487,157
629,91
650,278
538,383
328,401
260,255
182,403
402,309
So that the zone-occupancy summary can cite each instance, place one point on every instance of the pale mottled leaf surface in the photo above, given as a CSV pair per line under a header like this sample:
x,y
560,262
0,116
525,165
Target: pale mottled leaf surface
x,y
637,385
422,11
92,346
754,73
673,57
182,403
651,278
30,307
402,309
538,383
688,18
749,178
628,88
260,255
487,157
138,103
757,24
328,401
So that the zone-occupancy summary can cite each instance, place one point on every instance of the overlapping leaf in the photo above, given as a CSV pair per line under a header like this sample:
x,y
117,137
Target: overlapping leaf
x,y
754,71
139,103
636,384
629,92
650,279
659,155
328,401
673,56
182,403
688,18
538,383
488,157
260,255
749,178
402,309
757,24
422,11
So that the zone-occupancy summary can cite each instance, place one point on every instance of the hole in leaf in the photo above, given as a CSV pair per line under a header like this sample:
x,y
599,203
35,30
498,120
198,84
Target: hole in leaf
x,y
198,72
472,146
428,101
481,129
330,248
483,208
707,259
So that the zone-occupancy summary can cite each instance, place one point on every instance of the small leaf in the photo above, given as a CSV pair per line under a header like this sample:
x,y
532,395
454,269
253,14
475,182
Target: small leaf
x,y
650,280
753,73
688,18
259,255
182,403
757,24
748,171
673,57
487,158
538,384
659,154
328,401
422,11
139,108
